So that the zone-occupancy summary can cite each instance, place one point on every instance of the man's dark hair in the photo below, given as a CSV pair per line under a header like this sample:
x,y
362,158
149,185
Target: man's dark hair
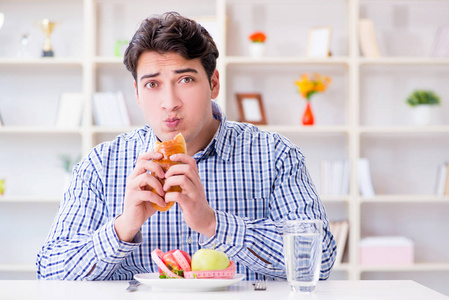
x,y
171,32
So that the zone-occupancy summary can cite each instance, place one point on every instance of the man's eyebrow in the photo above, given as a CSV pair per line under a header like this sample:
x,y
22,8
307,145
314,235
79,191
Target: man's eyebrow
x,y
180,71
186,70
149,76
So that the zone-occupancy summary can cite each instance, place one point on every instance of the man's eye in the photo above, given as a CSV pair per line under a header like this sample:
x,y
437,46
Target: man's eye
x,y
187,80
151,85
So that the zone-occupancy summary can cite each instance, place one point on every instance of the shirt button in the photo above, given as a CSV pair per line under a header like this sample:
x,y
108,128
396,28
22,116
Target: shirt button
x,y
229,240
189,240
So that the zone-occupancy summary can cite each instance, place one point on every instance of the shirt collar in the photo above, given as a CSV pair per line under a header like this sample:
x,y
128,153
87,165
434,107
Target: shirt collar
x,y
148,140
222,145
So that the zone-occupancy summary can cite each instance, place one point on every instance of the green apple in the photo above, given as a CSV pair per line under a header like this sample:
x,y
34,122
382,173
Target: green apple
x,y
209,259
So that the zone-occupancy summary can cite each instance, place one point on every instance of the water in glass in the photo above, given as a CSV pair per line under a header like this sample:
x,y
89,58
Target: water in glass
x,y
303,250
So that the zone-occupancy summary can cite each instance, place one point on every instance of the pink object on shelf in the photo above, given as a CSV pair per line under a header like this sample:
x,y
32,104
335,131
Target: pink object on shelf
x,y
386,251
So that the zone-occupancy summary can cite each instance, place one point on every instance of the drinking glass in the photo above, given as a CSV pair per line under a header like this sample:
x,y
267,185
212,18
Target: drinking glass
x,y
302,252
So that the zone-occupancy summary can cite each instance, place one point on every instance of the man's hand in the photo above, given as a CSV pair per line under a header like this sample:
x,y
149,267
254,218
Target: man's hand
x,y
198,215
138,196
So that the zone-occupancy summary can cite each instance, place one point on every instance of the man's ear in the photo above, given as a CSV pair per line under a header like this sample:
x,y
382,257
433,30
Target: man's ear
x,y
136,92
215,84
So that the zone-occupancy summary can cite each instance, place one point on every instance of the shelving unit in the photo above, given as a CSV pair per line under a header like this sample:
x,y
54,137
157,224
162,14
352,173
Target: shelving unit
x,y
363,114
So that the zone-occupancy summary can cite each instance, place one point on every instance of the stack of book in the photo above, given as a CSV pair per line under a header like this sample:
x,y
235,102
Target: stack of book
x,y
364,176
70,111
367,38
340,230
110,110
335,177
386,250
440,47
442,186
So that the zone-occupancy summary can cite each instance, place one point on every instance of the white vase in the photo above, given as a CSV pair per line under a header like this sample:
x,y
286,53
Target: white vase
x,y
257,50
425,115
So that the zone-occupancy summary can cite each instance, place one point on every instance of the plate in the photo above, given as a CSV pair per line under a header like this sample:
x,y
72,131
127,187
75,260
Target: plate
x,y
153,280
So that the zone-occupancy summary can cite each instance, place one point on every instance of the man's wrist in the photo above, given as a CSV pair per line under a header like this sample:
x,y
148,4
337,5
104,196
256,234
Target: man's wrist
x,y
210,232
124,233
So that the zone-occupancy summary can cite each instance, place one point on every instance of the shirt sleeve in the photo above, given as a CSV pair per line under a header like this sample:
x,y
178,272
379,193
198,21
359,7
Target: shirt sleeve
x,y
82,243
258,243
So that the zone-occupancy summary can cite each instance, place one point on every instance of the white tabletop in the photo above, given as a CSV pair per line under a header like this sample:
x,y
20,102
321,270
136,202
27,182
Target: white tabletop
x,y
111,290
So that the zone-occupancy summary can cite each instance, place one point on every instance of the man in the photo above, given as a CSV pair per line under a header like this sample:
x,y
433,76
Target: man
x,y
238,183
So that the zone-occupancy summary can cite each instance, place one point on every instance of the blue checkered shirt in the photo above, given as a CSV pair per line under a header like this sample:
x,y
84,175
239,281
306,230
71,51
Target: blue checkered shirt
x,y
253,180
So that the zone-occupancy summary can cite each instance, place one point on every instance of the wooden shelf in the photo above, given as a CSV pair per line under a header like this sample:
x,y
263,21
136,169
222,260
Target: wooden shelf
x,y
406,198
246,60
335,199
17,268
99,129
29,199
305,129
417,267
38,130
388,61
404,129
54,61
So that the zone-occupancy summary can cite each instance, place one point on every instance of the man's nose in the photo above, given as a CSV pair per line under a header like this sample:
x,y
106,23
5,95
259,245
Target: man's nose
x,y
170,100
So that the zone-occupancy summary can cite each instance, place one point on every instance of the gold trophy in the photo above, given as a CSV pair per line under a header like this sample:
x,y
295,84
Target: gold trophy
x,y
47,27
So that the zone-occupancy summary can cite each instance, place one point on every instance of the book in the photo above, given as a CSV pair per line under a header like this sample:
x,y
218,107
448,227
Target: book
x,y
70,110
113,115
124,115
326,180
99,114
110,109
386,250
364,175
446,185
335,177
367,37
346,177
440,46
340,231
441,182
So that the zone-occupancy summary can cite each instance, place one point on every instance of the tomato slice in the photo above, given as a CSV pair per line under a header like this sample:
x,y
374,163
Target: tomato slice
x,y
170,261
163,269
177,263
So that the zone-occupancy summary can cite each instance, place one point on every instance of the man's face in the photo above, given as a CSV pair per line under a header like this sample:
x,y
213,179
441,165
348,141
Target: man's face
x,y
175,95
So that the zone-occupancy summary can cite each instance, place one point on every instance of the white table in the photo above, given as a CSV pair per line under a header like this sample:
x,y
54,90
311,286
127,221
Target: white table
x,y
111,290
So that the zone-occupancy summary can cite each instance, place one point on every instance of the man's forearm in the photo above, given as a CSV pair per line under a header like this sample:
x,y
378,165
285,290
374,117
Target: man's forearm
x,y
91,257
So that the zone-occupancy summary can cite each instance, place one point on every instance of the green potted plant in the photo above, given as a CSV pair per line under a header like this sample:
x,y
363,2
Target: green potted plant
x,y
423,103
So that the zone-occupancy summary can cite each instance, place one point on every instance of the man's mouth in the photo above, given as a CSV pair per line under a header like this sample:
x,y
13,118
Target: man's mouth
x,y
172,123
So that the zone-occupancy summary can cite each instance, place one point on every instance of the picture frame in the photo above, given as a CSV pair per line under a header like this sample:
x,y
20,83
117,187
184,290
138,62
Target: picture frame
x,y
251,109
319,41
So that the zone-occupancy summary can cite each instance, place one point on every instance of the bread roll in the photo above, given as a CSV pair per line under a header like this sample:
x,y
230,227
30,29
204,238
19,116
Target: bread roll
x,y
168,148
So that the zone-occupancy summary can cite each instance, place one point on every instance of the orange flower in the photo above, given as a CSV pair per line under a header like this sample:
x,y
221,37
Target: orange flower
x,y
308,85
258,37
